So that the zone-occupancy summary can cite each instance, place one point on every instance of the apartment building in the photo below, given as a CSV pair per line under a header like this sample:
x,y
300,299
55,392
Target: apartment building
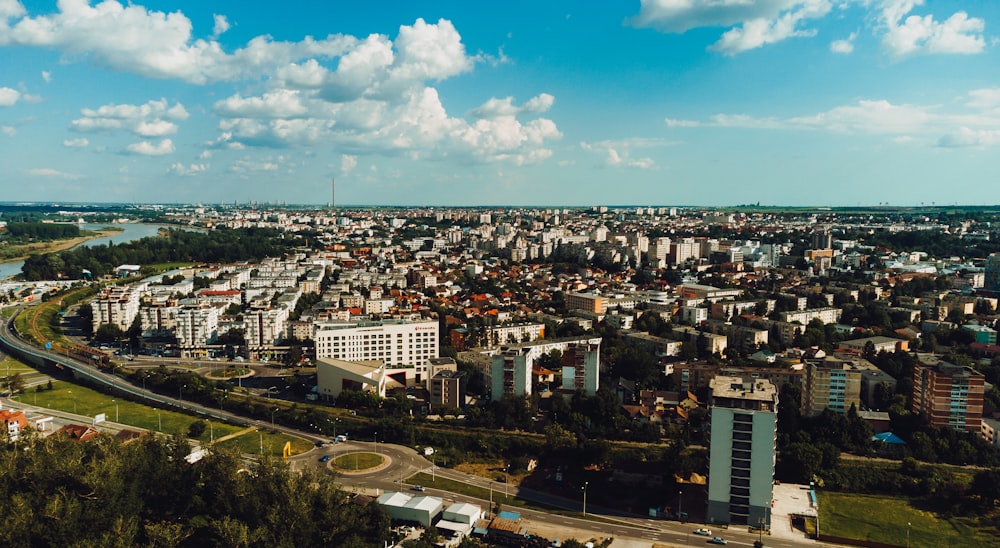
x,y
743,430
581,364
196,327
510,374
589,302
825,315
949,395
117,306
447,387
831,384
395,342
514,333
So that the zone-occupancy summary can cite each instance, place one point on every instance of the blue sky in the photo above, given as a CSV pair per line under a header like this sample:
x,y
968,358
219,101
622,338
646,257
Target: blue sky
x,y
655,102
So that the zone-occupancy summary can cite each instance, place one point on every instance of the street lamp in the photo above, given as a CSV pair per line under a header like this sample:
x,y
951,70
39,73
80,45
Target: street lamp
x,y
506,479
908,525
376,443
159,420
680,500
70,392
585,484
273,411
116,409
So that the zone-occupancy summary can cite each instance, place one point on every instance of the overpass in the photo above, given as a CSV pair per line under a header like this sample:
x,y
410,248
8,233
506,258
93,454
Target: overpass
x,y
83,371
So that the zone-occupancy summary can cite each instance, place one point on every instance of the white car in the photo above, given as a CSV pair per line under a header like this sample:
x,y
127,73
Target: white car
x,y
704,532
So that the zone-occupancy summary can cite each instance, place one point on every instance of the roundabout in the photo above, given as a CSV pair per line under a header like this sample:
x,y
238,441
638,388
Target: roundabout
x,y
359,462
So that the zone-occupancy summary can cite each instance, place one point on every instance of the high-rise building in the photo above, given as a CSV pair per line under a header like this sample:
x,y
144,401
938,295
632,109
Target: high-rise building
x,y
992,276
580,367
949,395
743,431
510,373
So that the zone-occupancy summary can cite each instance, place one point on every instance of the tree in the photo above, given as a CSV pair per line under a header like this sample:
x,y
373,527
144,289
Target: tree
x,y
197,428
108,332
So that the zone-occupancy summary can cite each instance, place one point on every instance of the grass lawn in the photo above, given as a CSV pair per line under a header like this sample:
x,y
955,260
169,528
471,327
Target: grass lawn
x,y
358,461
273,443
884,519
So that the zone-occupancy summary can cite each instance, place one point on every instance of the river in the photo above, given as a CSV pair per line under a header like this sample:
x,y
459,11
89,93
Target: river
x,y
130,232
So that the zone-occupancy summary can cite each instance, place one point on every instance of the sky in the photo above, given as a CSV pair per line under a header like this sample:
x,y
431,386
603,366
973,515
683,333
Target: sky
x,y
542,103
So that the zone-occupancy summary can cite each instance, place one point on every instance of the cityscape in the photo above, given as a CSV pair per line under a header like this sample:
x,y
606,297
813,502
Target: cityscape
x,y
644,374
640,274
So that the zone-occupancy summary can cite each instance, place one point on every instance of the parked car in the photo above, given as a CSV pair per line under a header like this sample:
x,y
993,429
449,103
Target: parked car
x,y
717,540
418,488
704,532
324,458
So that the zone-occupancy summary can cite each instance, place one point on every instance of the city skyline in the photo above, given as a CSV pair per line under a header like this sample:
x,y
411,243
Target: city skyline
x,y
781,102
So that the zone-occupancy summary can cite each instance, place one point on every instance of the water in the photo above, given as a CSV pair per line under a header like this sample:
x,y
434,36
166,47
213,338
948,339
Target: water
x,y
130,232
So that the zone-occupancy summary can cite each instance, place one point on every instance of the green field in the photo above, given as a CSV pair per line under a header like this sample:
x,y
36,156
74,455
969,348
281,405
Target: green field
x,y
272,443
884,519
358,461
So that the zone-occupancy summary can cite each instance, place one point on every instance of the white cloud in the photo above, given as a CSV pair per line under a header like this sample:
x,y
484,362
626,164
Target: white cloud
x,y
147,148
282,103
347,163
188,171
617,153
82,142
671,122
252,166
966,137
505,107
53,173
9,96
47,76
907,35
221,25
152,119
973,123
9,131
753,23
844,46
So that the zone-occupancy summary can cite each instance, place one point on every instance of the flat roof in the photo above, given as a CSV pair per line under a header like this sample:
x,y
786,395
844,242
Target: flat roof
x,y
737,388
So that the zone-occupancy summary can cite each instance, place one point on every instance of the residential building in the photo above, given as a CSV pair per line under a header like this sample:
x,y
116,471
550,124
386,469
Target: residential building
x,y
395,342
581,364
590,302
879,344
983,334
991,277
825,315
117,305
447,388
743,430
514,333
990,431
15,422
831,384
510,373
949,395
196,327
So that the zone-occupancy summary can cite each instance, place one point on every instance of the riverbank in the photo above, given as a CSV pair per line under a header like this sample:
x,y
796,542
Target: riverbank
x,y
26,251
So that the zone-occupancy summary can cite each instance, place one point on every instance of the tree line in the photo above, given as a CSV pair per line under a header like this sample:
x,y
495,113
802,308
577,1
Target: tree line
x,y
217,246
42,231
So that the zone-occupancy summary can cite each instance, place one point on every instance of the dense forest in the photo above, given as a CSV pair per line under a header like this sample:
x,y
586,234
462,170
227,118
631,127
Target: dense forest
x,y
218,246
42,231
144,493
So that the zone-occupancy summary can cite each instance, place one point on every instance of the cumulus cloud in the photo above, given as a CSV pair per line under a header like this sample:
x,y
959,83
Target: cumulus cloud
x,y
82,142
907,35
252,166
9,131
844,46
755,23
9,96
148,148
671,122
52,173
153,119
47,76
